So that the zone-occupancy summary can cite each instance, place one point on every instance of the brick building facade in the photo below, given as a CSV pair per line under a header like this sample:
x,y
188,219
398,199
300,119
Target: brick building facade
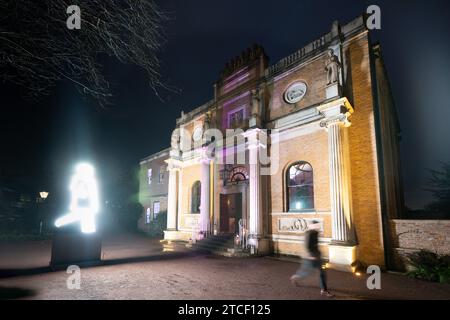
x,y
318,133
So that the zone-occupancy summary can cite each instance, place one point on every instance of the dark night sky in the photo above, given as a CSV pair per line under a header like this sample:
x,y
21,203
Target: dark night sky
x,y
48,136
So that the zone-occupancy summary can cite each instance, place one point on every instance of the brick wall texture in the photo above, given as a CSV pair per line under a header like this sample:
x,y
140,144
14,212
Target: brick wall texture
x,y
363,154
413,235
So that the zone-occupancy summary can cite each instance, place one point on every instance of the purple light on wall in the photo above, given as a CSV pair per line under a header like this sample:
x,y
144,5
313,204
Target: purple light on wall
x,y
235,80
232,105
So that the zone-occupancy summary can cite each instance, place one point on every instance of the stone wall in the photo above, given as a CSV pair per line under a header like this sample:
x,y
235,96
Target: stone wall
x,y
363,152
157,190
147,191
389,135
412,235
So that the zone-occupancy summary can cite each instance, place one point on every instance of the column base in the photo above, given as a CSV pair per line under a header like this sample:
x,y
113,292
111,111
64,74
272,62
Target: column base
x,y
171,235
261,245
203,235
342,258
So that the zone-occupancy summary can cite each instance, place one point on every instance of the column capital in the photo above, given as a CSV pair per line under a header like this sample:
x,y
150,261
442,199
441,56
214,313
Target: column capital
x,y
175,154
254,132
336,112
257,138
340,119
173,164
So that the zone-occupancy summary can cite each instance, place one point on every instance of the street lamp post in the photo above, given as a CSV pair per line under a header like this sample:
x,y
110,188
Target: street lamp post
x,y
43,195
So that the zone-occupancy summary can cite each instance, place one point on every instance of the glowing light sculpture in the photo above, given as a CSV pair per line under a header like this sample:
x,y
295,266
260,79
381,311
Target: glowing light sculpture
x,y
84,204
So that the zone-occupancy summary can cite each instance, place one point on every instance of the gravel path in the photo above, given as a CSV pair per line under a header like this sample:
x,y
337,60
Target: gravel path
x,y
189,275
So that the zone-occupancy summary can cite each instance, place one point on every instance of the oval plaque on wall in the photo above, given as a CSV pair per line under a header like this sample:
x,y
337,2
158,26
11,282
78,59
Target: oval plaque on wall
x,y
295,92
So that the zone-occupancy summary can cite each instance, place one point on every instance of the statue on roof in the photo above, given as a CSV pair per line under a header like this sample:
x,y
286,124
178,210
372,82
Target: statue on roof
x,y
332,66
175,140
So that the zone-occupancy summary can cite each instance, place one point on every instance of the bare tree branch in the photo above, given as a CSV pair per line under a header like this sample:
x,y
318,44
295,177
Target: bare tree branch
x,y
37,50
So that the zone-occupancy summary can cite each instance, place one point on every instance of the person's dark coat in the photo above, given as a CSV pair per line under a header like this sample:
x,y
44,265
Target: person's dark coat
x,y
312,243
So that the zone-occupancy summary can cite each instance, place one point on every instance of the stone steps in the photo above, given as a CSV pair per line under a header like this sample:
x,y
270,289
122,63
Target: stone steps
x,y
222,245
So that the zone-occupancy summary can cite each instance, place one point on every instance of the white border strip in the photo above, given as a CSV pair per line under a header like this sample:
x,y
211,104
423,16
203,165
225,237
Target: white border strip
x,y
295,239
325,212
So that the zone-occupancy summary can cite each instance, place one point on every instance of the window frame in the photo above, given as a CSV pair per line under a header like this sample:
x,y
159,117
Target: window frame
x,y
149,176
198,193
148,216
243,109
155,213
288,188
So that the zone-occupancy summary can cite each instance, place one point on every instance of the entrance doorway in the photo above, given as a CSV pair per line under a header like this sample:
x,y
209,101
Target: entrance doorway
x,y
230,212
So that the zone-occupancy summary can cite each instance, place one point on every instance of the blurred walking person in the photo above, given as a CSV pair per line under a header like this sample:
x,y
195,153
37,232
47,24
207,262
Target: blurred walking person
x,y
313,260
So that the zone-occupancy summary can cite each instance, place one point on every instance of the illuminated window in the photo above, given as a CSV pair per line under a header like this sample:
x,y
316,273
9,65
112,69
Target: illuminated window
x,y
148,216
156,208
195,197
149,176
300,187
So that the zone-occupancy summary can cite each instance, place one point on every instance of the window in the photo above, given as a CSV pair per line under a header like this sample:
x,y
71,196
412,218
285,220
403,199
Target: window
x,y
300,188
156,208
195,197
148,216
149,176
236,118
162,171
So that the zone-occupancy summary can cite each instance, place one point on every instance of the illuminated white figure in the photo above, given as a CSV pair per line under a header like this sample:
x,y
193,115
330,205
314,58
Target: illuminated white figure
x,y
84,203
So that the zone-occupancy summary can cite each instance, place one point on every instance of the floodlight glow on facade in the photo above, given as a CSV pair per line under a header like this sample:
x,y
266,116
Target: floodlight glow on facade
x,y
84,203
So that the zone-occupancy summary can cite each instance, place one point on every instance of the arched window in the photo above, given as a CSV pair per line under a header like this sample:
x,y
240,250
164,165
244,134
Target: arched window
x,y
300,186
195,197
238,174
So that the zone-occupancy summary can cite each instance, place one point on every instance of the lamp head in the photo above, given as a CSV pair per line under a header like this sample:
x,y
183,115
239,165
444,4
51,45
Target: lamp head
x,y
43,194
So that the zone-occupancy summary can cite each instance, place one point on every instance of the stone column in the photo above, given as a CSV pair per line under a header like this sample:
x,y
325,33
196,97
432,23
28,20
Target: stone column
x,y
342,250
340,205
172,203
257,238
205,198
172,200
